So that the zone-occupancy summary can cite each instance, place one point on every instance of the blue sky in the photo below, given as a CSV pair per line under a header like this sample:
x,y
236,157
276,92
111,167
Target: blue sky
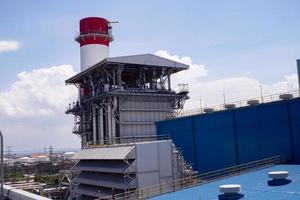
x,y
229,37
241,44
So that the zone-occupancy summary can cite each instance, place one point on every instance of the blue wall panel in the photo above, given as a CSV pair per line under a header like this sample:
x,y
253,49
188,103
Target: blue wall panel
x,y
262,131
215,148
222,139
294,108
181,131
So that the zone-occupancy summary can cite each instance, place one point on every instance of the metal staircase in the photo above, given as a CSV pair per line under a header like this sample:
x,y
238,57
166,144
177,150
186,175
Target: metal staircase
x,y
181,168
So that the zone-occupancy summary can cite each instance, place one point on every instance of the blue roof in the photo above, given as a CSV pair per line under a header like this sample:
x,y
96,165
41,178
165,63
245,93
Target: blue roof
x,y
254,187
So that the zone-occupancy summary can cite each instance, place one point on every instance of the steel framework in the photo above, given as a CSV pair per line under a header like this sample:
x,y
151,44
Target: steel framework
x,y
122,99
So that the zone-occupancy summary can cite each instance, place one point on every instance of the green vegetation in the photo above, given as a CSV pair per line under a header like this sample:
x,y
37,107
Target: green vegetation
x,y
15,176
48,179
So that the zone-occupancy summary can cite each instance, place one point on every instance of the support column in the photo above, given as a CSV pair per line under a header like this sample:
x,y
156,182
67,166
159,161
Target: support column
x,y
169,82
100,126
109,123
113,127
161,82
83,126
113,120
83,141
94,124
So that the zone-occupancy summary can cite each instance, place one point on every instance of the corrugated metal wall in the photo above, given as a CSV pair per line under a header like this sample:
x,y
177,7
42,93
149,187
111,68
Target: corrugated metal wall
x,y
138,114
226,138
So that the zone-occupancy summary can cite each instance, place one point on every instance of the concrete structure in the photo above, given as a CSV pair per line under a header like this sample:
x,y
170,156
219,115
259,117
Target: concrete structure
x,y
119,168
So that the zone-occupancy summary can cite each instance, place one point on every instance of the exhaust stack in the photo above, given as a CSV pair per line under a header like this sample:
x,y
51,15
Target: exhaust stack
x,y
298,70
94,38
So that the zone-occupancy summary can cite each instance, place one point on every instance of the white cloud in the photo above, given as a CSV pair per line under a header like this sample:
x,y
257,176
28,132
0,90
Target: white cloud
x,y
191,76
9,45
39,92
235,88
32,109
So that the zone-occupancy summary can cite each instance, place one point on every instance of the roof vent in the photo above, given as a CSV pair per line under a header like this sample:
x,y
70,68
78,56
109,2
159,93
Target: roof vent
x,y
253,102
285,96
208,110
278,178
229,106
230,192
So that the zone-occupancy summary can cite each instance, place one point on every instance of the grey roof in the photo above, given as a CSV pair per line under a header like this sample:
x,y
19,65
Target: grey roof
x,y
142,60
147,59
105,153
18,194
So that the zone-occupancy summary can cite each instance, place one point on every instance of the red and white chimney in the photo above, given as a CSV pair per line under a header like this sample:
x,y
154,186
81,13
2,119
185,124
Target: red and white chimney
x,y
94,38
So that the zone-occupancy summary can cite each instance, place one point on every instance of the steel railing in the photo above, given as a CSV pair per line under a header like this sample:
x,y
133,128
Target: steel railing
x,y
241,103
194,180
106,141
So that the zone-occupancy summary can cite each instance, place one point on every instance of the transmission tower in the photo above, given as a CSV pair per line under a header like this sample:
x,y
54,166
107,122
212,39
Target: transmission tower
x,y
51,158
9,152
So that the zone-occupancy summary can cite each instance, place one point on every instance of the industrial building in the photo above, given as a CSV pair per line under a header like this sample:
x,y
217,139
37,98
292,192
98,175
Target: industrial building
x,y
119,101
240,135
126,167
124,97
137,143
120,96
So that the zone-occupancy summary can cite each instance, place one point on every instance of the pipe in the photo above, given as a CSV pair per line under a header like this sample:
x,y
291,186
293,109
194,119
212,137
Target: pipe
x,y
100,127
2,166
113,122
298,69
94,124
109,119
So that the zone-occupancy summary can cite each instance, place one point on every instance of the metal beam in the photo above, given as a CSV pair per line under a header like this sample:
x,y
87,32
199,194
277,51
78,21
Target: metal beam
x,y
2,166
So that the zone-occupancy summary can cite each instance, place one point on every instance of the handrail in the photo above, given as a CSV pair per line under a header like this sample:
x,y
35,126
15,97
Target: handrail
x,y
237,104
125,140
194,180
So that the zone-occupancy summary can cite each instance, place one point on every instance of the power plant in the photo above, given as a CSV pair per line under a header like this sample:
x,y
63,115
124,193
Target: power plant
x,y
123,96
137,142
119,101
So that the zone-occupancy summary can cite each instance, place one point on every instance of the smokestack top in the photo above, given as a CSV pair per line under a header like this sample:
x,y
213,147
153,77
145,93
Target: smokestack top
x,y
91,24
94,30
94,38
